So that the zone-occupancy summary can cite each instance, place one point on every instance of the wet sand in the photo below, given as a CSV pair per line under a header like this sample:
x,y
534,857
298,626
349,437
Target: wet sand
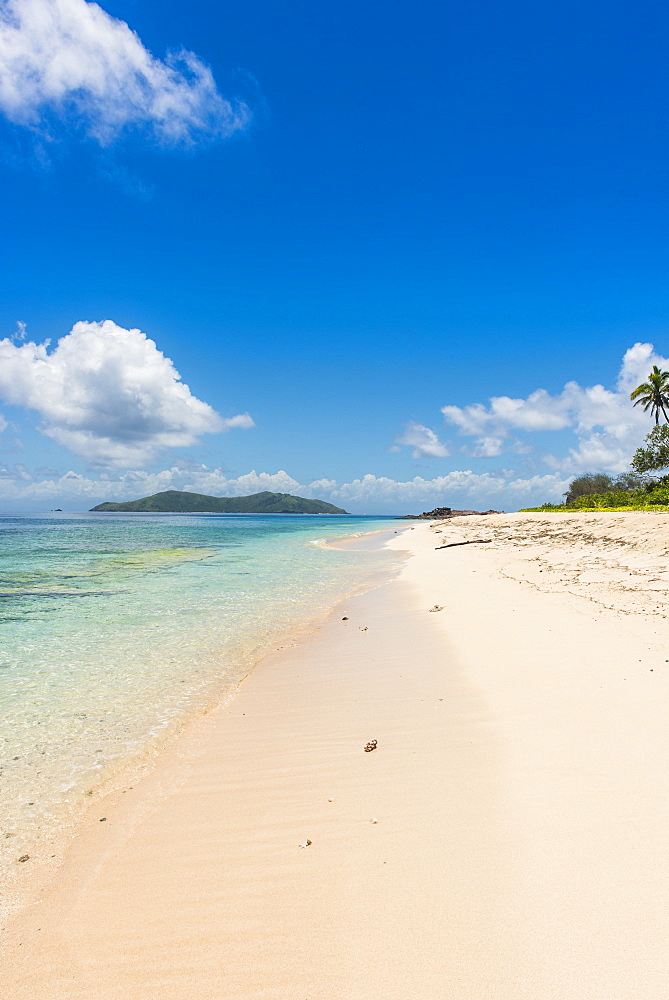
x,y
519,787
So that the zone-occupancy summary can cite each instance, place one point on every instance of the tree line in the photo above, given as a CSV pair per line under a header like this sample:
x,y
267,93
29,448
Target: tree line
x,y
652,456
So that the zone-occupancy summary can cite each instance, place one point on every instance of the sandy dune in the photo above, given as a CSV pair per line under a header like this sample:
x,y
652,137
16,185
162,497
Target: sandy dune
x,y
519,787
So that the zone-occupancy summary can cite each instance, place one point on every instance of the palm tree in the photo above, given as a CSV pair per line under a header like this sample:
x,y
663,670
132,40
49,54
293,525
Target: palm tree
x,y
653,395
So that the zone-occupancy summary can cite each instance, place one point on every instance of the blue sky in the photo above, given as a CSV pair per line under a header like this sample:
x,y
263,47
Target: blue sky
x,y
338,219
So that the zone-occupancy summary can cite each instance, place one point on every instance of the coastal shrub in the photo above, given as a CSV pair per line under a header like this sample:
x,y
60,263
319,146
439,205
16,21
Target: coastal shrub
x,y
628,491
564,509
652,497
599,483
632,481
655,455
612,498
660,495
588,484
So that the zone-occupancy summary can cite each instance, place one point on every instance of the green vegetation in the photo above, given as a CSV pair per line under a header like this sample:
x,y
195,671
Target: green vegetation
x,y
655,455
597,491
631,490
653,395
180,502
609,503
599,482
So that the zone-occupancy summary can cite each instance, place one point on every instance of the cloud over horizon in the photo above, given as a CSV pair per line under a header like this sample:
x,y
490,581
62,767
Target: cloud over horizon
x,y
72,60
606,427
108,395
369,493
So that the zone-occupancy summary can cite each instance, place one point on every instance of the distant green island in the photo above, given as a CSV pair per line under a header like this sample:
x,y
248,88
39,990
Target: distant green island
x,y
180,502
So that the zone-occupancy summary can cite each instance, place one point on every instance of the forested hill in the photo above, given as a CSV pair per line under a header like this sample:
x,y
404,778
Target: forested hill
x,y
179,502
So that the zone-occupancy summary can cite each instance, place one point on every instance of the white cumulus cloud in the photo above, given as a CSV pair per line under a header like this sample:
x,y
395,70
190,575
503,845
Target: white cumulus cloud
x,y
242,421
215,482
606,426
488,446
452,489
368,494
108,394
422,440
71,59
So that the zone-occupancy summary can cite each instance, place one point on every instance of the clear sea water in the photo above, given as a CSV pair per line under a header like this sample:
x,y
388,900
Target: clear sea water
x,y
114,628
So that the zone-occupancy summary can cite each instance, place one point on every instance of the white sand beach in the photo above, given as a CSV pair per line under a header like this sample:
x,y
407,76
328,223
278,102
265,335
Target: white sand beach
x,y
506,840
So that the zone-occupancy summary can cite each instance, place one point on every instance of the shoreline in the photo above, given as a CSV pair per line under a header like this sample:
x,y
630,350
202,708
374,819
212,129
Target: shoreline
x,y
48,850
518,787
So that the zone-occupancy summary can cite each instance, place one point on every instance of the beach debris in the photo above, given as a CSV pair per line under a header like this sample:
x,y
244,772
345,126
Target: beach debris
x,y
474,541
330,800
24,857
373,820
307,843
103,819
372,745
362,629
345,619
437,607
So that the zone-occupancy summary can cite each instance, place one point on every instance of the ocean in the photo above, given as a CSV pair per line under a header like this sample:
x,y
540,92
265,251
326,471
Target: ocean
x,y
114,629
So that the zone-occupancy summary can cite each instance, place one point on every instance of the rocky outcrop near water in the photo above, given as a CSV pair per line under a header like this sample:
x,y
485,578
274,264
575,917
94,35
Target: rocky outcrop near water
x,y
442,513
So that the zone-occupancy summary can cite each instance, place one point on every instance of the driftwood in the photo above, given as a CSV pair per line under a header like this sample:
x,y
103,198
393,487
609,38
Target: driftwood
x,y
474,541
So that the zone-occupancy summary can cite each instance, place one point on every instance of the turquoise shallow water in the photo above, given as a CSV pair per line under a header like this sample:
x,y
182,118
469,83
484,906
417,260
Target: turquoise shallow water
x,y
114,628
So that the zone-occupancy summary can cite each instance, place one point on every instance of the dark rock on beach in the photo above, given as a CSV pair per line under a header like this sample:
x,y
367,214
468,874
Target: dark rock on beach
x,y
440,513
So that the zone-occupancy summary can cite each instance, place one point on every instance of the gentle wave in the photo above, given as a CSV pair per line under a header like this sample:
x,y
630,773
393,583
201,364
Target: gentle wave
x,y
182,609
